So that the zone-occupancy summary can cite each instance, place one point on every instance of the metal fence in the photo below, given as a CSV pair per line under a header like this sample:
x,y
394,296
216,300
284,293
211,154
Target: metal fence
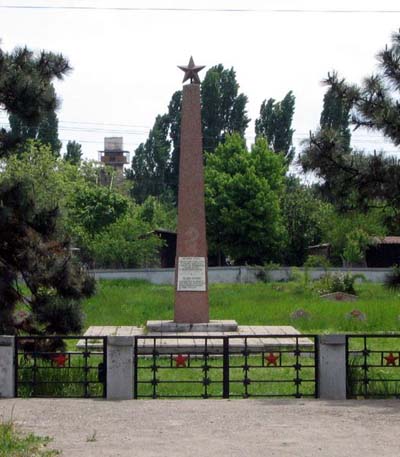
x,y
373,367
225,366
60,366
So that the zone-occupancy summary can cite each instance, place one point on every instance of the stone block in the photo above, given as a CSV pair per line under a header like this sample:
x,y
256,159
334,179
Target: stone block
x,y
120,367
332,367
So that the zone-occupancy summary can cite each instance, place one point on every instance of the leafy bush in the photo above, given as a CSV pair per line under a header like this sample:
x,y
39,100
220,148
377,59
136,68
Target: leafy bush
x,y
392,279
338,282
316,261
127,243
356,244
263,273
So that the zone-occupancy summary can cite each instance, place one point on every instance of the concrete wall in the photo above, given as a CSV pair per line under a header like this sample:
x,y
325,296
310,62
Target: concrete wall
x,y
232,274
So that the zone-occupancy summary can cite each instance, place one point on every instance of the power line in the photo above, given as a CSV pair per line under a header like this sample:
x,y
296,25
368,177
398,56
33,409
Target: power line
x,y
103,124
106,124
200,10
81,128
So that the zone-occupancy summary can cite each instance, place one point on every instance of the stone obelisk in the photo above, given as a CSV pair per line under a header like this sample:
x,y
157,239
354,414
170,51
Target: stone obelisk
x,y
191,282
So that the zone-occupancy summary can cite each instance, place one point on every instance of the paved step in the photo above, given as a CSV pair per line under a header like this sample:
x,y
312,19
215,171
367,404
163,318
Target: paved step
x,y
283,338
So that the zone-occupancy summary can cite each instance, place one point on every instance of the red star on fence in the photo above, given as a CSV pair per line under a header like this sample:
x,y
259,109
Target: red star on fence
x,y
271,359
390,359
180,361
60,359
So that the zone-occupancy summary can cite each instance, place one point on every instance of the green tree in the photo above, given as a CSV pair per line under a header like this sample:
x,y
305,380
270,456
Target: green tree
x,y
372,180
74,153
349,234
46,131
223,107
303,215
92,208
155,165
34,246
27,92
335,113
174,118
275,124
158,213
243,187
126,243
150,162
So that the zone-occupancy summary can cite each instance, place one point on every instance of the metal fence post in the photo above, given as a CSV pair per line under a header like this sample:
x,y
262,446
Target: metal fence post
x,y
225,375
7,367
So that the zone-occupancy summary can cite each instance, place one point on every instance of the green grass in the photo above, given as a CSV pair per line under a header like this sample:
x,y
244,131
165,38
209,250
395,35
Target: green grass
x,y
53,381
383,379
13,443
128,302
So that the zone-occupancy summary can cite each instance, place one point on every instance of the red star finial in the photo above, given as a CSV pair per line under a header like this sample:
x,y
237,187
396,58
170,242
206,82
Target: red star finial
x,y
271,359
180,361
59,359
191,71
390,359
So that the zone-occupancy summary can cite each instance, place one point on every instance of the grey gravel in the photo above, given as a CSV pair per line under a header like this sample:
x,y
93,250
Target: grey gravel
x,y
212,427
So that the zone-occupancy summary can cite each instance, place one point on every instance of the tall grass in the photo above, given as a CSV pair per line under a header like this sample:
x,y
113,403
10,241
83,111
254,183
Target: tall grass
x,y
129,302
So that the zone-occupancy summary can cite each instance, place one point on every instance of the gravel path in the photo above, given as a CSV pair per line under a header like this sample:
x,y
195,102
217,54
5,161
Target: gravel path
x,y
212,428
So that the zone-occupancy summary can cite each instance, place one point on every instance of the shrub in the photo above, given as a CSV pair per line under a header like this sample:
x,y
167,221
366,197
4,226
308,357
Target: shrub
x,y
338,282
392,279
315,261
263,273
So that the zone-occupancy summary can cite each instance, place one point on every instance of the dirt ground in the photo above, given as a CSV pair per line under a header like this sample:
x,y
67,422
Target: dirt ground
x,y
212,427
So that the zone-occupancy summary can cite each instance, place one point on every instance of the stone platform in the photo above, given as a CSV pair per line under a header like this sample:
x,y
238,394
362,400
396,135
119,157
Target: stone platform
x,y
282,338
173,327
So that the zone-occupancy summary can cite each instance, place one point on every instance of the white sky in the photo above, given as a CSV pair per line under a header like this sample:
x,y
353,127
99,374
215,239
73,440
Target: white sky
x,y
125,61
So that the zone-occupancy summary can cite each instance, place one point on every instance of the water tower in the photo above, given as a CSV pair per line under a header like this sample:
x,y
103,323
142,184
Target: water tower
x,y
114,154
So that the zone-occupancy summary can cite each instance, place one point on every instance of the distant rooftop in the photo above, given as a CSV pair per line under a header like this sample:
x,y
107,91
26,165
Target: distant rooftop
x,y
388,240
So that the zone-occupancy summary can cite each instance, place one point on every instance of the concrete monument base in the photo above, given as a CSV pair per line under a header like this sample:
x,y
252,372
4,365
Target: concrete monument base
x,y
260,337
176,327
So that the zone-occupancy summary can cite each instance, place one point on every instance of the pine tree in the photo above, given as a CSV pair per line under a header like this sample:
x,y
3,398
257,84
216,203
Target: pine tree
x,y
32,246
275,124
363,180
26,89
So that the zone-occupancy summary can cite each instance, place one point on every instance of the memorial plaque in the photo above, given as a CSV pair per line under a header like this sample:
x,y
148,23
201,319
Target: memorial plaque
x,y
191,274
